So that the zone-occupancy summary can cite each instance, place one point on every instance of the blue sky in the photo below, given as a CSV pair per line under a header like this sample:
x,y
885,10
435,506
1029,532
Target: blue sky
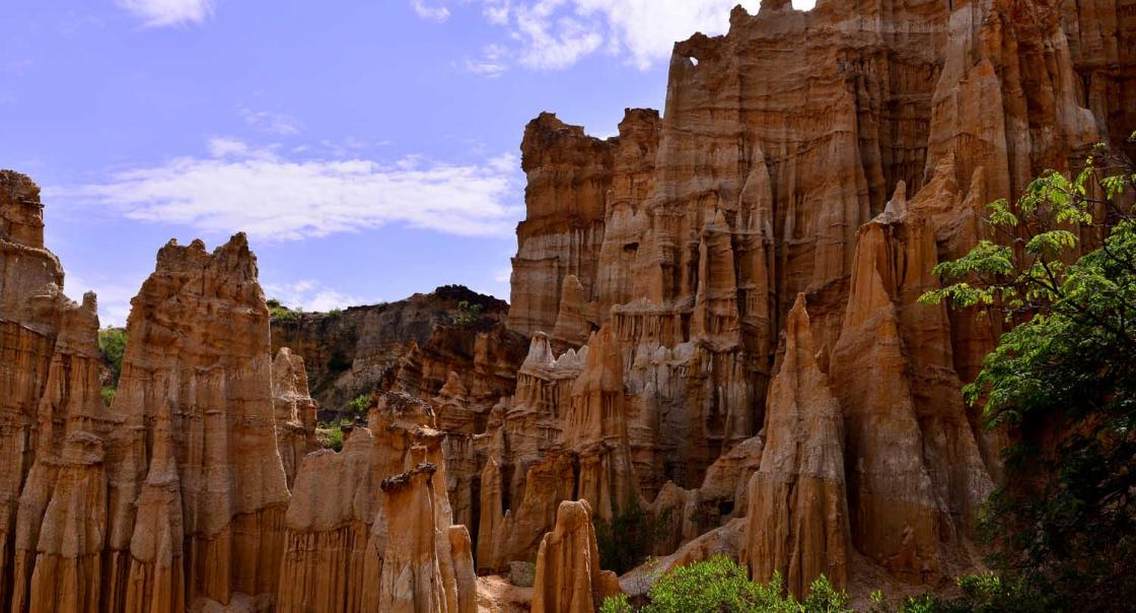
x,y
368,147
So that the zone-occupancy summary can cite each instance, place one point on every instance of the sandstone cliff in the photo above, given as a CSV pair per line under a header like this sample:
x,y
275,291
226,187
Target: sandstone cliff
x,y
176,497
720,308
828,159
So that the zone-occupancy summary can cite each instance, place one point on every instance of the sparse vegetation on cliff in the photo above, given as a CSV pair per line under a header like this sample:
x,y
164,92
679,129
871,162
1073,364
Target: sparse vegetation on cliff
x,y
330,436
358,406
279,312
468,313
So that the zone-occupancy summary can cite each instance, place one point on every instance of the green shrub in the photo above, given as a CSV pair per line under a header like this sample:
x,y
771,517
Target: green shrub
x,y
112,345
279,312
616,604
984,593
720,584
468,313
359,405
330,436
108,393
629,538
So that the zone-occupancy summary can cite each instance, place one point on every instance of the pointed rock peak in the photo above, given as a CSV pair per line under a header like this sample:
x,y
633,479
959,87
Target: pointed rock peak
x,y
739,16
897,207
603,364
799,334
634,119
540,352
567,575
571,515
91,302
869,291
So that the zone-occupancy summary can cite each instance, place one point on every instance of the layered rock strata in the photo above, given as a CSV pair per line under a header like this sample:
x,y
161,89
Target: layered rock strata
x,y
797,522
197,491
295,411
838,154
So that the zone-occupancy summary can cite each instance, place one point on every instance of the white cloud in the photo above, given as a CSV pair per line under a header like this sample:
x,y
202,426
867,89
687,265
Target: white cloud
x,y
267,122
220,147
243,188
491,64
555,34
431,12
160,13
310,296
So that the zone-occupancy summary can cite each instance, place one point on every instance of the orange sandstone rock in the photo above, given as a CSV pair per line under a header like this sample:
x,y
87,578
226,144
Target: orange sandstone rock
x,y
797,524
568,576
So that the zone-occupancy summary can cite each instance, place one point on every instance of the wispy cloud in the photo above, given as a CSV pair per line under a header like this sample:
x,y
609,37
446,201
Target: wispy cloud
x,y
252,189
277,124
161,13
310,295
433,12
555,34
492,63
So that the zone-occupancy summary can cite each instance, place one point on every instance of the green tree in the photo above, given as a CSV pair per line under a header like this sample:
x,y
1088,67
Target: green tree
x,y
112,345
1062,381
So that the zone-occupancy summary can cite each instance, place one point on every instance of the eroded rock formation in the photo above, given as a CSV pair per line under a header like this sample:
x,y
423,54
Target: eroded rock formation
x,y
797,523
831,159
369,529
721,311
568,575
295,411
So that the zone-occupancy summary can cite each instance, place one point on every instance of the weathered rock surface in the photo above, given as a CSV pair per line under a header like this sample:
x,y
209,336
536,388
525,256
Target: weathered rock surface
x,y
568,575
366,349
198,366
837,154
370,528
295,411
51,421
797,523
